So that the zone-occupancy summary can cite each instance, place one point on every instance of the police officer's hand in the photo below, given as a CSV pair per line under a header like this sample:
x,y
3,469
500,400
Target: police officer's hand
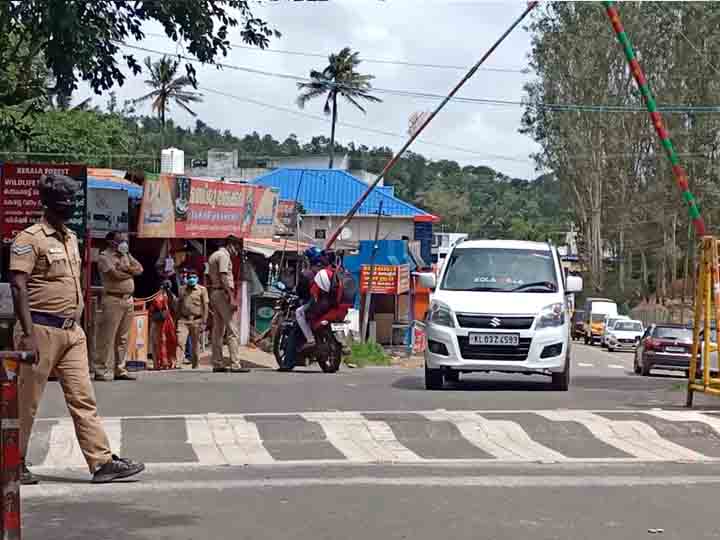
x,y
28,343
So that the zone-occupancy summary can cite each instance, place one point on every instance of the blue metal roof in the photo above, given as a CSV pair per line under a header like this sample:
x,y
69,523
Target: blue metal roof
x,y
133,191
333,192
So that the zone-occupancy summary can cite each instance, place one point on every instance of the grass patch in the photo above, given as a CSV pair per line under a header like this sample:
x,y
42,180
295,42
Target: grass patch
x,y
367,354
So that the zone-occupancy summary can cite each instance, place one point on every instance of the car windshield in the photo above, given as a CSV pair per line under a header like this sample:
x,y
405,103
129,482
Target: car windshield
x,y
668,332
623,326
598,317
500,270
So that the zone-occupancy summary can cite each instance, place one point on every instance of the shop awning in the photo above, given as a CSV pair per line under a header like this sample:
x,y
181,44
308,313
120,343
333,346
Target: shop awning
x,y
113,179
267,247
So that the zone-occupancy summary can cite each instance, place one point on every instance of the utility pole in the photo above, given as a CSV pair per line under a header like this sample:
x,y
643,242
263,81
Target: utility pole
x,y
368,294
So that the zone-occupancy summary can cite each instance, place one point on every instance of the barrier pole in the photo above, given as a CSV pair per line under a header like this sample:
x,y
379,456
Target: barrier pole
x,y
700,287
10,523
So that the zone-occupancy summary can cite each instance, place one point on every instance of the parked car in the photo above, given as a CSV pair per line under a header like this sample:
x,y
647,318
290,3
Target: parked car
x,y
609,324
624,335
665,346
499,305
596,311
577,329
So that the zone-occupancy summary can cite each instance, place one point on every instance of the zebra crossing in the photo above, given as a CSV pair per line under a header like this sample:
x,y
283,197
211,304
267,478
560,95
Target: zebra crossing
x,y
405,437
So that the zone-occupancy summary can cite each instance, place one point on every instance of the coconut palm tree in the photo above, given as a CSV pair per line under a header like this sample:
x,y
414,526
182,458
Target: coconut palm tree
x,y
339,78
168,87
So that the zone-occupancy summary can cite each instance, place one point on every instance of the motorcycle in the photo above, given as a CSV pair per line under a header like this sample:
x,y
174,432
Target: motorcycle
x,y
287,336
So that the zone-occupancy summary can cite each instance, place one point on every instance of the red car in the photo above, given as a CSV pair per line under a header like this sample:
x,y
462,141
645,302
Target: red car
x,y
663,346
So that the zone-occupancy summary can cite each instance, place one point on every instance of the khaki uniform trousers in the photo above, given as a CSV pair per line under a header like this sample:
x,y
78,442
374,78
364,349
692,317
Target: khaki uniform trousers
x,y
112,337
223,328
193,328
65,353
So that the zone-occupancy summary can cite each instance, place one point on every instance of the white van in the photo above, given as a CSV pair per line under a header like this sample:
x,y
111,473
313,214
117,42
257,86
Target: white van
x,y
499,305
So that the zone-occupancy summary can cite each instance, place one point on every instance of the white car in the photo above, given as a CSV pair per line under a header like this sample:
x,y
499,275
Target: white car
x,y
624,335
609,323
499,305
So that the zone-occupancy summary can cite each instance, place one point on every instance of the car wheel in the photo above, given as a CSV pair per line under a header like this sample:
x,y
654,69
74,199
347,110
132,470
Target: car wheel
x,y
610,349
452,376
586,340
644,370
433,378
561,381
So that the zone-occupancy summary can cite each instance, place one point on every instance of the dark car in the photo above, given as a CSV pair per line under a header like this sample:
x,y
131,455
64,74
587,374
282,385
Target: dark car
x,y
663,346
577,329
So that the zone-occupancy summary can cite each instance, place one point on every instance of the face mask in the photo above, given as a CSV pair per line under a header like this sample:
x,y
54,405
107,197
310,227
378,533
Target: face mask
x,y
192,281
123,247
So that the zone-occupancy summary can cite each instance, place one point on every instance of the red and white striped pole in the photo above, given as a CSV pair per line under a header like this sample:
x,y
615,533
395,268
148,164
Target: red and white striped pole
x,y
10,525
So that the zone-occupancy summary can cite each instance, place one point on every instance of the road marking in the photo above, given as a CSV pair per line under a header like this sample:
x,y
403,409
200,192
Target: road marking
x,y
77,491
616,366
362,440
632,437
582,364
503,439
687,416
63,448
238,441
200,436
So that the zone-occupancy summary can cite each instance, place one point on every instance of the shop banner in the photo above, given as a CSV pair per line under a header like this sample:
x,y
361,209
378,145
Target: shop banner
x,y
20,204
107,210
387,279
183,207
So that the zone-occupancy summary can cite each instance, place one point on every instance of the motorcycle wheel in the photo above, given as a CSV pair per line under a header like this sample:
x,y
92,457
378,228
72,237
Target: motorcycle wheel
x,y
280,347
331,363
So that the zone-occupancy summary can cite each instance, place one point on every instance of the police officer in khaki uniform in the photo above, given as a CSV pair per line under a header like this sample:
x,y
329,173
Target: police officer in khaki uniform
x,y
117,268
222,291
193,308
45,280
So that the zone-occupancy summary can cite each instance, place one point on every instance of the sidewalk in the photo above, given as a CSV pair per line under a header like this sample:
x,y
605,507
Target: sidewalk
x,y
251,358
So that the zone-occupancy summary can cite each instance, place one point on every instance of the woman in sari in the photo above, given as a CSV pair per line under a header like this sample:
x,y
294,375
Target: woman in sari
x,y
164,335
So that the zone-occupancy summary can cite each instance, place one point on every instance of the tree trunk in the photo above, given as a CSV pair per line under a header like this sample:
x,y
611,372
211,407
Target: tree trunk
x,y
644,267
674,250
162,127
688,247
621,260
332,131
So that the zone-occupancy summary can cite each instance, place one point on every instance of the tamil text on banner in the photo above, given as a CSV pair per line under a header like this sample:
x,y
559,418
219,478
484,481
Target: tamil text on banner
x,y
183,207
386,279
107,210
20,204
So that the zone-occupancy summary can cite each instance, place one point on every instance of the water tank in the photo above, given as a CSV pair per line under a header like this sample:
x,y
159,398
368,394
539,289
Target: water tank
x,y
172,161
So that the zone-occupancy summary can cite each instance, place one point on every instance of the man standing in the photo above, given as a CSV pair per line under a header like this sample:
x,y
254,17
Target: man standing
x,y
192,312
222,292
48,299
117,268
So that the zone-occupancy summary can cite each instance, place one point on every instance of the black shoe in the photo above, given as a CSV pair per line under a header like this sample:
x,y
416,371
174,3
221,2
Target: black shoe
x,y
26,477
240,370
126,377
220,370
117,469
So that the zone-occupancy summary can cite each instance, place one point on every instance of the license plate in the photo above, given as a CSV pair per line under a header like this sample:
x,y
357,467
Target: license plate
x,y
511,340
674,349
338,327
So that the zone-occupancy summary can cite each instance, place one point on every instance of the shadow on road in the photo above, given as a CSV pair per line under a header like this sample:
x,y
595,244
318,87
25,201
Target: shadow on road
x,y
486,385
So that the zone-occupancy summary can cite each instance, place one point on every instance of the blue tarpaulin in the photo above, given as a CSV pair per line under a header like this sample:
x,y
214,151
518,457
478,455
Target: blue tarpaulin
x,y
133,191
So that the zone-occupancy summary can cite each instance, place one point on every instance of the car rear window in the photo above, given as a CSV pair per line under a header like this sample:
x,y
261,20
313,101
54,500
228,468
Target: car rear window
x,y
667,332
628,326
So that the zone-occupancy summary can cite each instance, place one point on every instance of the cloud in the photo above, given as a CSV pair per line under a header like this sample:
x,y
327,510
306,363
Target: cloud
x,y
430,32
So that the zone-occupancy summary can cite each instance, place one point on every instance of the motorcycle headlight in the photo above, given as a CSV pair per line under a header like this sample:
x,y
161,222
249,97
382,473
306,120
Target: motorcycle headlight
x,y
442,316
551,316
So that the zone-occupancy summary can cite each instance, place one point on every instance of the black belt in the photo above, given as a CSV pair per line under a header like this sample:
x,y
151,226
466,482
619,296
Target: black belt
x,y
48,319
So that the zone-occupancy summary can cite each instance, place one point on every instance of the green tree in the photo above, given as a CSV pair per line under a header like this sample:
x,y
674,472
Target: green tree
x,y
339,78
168,87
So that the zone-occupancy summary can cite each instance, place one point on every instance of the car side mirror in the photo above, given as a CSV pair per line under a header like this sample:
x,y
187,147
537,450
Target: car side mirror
x,y
574,284
427,280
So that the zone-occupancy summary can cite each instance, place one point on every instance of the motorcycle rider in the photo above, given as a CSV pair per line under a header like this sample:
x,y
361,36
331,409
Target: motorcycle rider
x,y
320,300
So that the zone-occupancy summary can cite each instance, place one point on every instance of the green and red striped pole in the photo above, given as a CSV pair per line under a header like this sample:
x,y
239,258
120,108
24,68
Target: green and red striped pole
x,y
681,178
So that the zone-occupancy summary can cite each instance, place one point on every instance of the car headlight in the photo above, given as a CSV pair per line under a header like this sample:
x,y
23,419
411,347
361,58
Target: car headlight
x,y
441,315
551,316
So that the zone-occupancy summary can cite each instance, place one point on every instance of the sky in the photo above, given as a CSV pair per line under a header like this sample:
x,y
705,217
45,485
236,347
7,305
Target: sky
x,y
444,32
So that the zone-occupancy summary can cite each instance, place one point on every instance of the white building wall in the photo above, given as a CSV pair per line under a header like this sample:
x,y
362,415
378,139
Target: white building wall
x,y
363,228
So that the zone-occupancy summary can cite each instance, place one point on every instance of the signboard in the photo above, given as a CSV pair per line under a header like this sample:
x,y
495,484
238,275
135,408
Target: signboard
x,y
20,204
107,210
183,207
387,279
288,215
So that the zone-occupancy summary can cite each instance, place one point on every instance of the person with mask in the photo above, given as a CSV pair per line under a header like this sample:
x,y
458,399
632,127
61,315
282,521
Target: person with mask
x,y
193,308
45,278
222,293
319,301
117,268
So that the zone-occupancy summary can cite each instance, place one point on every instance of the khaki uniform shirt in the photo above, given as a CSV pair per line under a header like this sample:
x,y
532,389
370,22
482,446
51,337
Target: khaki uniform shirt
x,y
117,271
193,303
51,258
220,270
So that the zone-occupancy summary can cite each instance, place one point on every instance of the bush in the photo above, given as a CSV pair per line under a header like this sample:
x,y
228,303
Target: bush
x,y
362,354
